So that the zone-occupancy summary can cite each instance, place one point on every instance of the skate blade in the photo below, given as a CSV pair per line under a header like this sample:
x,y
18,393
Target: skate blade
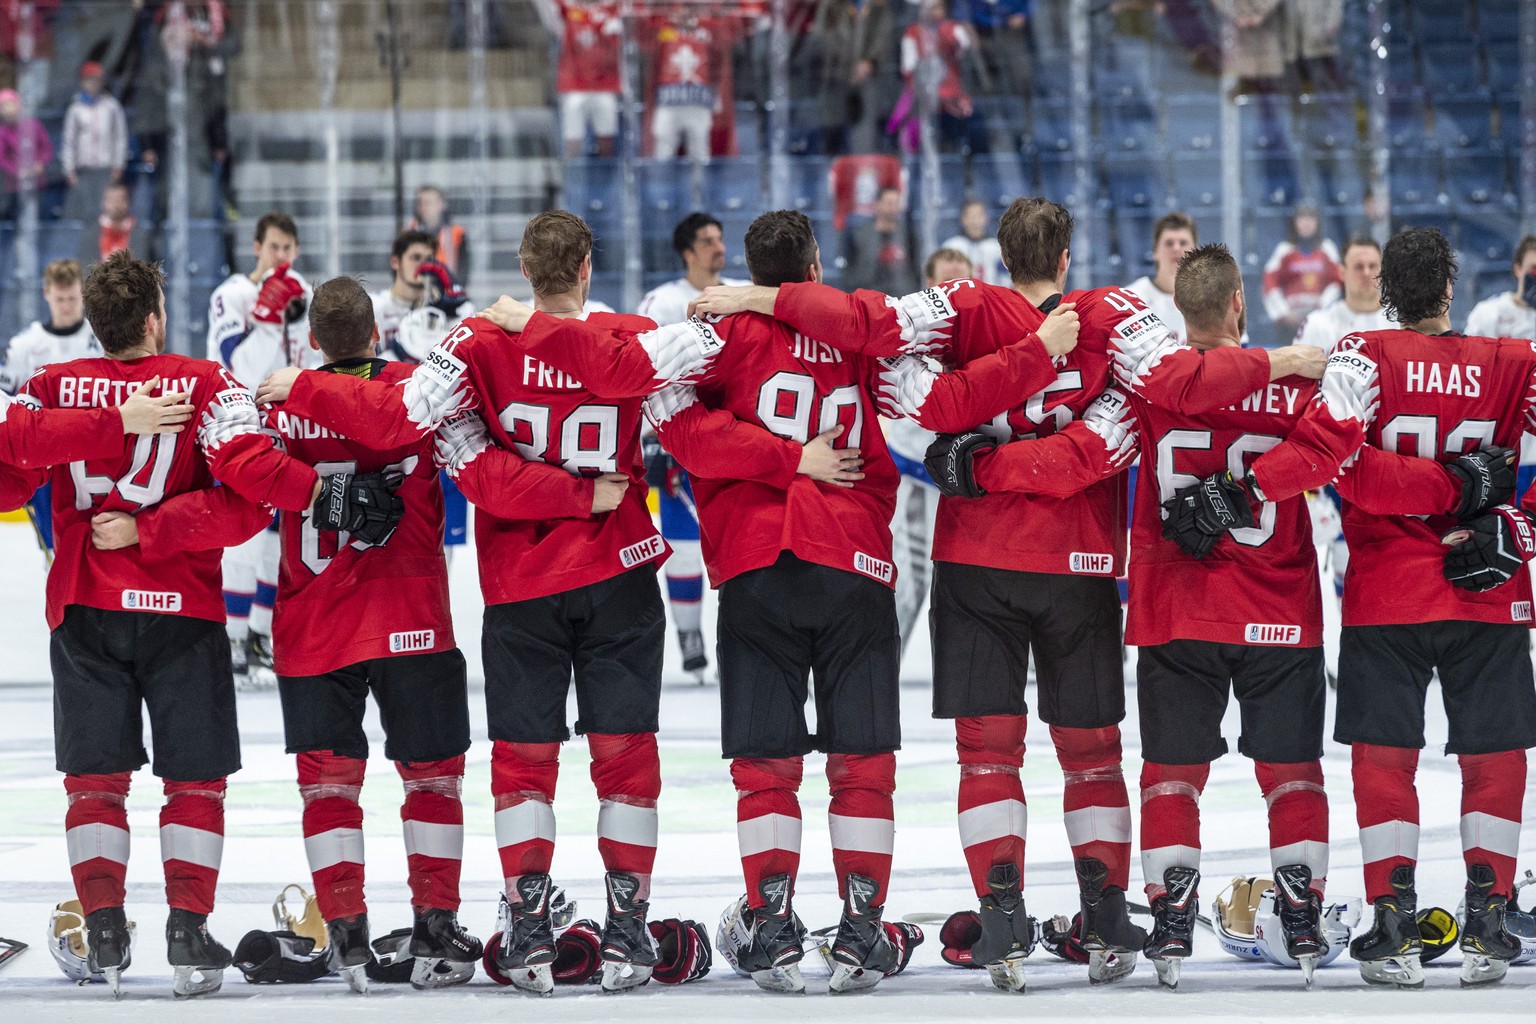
x,y
114,976
536,978
256,680
621,977
1400,971
849,978
780,979
356,978
434,972
189,982
1007,974
1168,969
1481,970
1308,966
1107,966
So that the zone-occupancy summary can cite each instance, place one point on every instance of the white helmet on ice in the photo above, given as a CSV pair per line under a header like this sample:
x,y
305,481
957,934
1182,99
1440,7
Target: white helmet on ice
x,y
68,942
421,330
1247,923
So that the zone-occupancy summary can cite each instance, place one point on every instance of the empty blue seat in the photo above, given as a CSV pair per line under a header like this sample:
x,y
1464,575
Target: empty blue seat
x,y
733,184
1136,182
1196,180
1450,68
997,179
1415,177
1503,66
1476,176
1462,122
592,187
1194,120
1050,126
1485,239
1270,179
1126,125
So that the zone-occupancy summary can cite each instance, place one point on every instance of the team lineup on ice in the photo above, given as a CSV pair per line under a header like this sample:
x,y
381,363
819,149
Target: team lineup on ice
x,y
1018,411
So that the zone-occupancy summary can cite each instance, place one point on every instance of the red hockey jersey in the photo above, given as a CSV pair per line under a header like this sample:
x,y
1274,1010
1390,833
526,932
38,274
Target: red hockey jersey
x,y
224,441
1422,396
961,321
589,53
341,601
536,437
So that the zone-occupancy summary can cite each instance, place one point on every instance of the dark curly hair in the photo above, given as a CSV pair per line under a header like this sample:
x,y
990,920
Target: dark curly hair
x,y
1417,266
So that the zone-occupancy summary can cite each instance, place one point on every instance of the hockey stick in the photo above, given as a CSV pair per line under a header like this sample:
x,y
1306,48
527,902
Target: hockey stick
x,y
1142,908
10,949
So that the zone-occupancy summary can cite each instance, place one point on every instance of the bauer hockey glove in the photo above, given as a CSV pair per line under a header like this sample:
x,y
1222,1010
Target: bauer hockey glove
x,y
281,299
445,291
364,505
578,954
950,461
684,949
1487,478
1196,516
1489,550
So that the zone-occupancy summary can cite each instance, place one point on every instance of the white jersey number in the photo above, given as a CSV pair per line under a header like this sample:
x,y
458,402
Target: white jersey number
x,y
785,403
1419,436
317,547
1247,446
589,437
143,484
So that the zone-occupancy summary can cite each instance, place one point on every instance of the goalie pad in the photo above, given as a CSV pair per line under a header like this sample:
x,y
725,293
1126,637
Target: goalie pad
x,y
684,948
69,945
280,958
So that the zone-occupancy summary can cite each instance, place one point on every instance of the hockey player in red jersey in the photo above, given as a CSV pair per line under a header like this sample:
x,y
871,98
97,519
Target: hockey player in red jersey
x,y
1413,606
568,559
1247,619
138,617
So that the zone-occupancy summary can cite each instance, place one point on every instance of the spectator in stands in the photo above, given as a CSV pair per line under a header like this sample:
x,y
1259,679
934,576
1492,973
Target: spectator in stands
x,y
29,74
686,73
587,79
1513,313
855,40
95,146
977,245
1360,308
931,49
878,252
946,265
1002,30
1173,235
116,228
432,217
1302,274
24,152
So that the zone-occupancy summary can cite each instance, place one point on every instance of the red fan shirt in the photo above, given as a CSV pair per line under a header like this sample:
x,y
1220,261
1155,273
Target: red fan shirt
x,y
589,53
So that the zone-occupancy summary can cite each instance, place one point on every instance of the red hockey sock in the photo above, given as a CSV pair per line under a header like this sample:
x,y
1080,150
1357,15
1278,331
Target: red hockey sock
x,y
1492,789
626,769
1387,811
330,785
192,842
1096,805
993,817
523,783
96,833
433,817
767,819
862,818
1298,816
1170,820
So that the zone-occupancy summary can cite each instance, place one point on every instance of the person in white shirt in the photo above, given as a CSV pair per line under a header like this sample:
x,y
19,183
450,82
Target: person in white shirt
x,y
422,302
977,246
1513,313
699,242
1360,307
1173,235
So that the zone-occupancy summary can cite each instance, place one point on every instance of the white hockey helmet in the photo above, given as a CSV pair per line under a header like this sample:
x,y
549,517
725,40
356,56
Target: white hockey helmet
x,y
69,945
421,330
1338,918
1247,922
733,934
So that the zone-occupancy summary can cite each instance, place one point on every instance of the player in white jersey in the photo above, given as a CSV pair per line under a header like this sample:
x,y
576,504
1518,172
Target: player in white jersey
x,y
977,246
1360,307
1513,313
422,302
1173,235
258,323
700,244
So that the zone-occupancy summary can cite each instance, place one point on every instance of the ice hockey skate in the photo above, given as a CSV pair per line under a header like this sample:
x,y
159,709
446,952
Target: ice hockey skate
x,y
862,953
109,938
444,952
349,950
526,951
1301,918
1007,931
765,943
695,658
1389,953
628,950
1106,931
198,958
1173,930
1487,947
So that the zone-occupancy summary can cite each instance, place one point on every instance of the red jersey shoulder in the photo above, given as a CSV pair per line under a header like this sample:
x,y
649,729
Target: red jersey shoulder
x,y
631,322
1103,312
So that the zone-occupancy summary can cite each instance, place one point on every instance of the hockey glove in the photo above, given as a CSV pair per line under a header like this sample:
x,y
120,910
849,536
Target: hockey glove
x,y
1060,936
278,293
1487,479
684,948
1489,550
364,505
959,934
578,954
906,938
1196,516
445,292
949,461
280,958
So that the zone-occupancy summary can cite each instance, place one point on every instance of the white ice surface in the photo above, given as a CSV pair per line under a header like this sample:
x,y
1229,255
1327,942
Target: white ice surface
x,y
697,872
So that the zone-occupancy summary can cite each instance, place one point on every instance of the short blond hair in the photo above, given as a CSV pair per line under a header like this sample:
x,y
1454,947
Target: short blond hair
x,y
62,274
554,244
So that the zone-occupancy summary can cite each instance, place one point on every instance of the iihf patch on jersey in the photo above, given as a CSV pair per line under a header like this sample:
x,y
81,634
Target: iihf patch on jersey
x,y
642,552
152,600
873,567
412,640
1277,634
1096,562
1520,611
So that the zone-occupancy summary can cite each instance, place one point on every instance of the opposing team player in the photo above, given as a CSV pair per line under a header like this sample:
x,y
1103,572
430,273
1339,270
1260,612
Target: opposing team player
x,y
1414,608
136,617
1359,308
568,559
1173,235
805,582
1016,573
1510,314
699,243
257,324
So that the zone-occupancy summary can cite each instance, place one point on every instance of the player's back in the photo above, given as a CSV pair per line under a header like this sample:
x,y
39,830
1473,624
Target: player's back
x,y
341,601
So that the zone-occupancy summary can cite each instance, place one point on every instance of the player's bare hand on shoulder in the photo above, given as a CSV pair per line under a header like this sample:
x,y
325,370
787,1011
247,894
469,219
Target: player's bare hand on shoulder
x,y
508,314
1059,331
725,299
111,531
607,491
837,466
146,413
1297,360
277,386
